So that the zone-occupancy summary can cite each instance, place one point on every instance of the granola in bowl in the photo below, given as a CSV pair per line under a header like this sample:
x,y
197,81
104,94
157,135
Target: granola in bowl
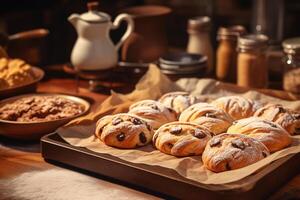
x,y
40,108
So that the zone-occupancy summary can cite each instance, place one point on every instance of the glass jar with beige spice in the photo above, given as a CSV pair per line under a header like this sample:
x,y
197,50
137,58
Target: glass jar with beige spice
x,y
252,66
226,55
291,61
199,39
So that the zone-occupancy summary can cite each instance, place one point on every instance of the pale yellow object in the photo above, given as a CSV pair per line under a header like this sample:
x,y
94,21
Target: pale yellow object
x,y
14,72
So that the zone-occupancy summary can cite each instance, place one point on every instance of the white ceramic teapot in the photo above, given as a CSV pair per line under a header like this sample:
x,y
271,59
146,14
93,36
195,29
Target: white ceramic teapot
x,y
93,49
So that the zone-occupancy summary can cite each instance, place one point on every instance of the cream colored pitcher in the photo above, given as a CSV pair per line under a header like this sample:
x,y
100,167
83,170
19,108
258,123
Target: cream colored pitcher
x,y
94,49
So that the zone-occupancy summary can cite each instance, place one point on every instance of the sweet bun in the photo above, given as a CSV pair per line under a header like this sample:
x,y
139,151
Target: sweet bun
x,y
124,131
232,151
236,106
289,120
181,139
272,135
178,101
209,116
155,113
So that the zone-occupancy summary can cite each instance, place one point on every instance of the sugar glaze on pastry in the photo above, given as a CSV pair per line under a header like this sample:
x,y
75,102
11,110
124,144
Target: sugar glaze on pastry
x,y
207,115
289,120
232,151
124,131
178,101
154,112
237,107
181,138
269,133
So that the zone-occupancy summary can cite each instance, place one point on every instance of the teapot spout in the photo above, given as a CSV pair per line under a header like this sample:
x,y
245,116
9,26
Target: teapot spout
x,y
73,19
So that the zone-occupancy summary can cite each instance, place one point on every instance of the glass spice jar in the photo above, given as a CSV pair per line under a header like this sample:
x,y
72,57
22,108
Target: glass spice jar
x,y
226,55
252,68
291,62
199,39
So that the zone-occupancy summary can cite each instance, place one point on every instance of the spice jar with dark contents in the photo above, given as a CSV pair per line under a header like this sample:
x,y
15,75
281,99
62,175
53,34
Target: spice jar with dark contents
x,y
291,62
252,66
226,56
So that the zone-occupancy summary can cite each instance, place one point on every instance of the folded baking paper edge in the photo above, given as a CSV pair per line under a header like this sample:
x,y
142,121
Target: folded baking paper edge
x,y
152,86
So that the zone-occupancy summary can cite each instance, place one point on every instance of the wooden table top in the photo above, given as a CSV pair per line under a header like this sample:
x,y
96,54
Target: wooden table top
x,y
25,175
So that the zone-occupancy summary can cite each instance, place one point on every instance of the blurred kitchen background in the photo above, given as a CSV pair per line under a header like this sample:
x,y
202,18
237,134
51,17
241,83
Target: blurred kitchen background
x,y
278,19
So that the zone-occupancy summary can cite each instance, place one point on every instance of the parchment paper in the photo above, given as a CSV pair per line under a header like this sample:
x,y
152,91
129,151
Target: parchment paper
x,y
79,132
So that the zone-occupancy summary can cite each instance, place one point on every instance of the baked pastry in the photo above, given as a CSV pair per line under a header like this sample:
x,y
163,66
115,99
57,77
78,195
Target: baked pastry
x,y
123,131
181,139
232,151
178,101
236,106
289,120
155,113
211,117
272,135
14,72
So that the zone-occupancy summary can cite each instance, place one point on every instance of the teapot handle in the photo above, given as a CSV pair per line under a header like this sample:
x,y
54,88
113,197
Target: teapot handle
x,y
130,27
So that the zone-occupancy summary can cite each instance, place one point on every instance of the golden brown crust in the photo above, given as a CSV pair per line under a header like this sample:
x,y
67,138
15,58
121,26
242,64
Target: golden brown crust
x,y
211,117
181,139
232,151
272,135
123,131
178,101
155,113
289,120
236,106
14,72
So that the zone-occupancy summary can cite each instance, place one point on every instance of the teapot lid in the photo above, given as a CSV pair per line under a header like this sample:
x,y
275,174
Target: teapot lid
x,y
93,15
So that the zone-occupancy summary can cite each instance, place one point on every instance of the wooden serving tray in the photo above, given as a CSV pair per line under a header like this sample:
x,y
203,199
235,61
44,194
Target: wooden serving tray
x,y
157,180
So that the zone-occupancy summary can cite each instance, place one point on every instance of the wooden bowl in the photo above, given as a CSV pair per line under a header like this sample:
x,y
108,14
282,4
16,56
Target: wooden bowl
x,y
35,130
23,89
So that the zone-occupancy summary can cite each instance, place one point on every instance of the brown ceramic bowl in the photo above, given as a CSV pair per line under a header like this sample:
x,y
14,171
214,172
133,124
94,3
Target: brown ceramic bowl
x,y
23,89
34,130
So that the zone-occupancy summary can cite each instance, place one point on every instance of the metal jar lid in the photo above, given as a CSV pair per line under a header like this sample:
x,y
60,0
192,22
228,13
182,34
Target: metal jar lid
x,y
198,24
253,42
182,62
291,45
231,32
